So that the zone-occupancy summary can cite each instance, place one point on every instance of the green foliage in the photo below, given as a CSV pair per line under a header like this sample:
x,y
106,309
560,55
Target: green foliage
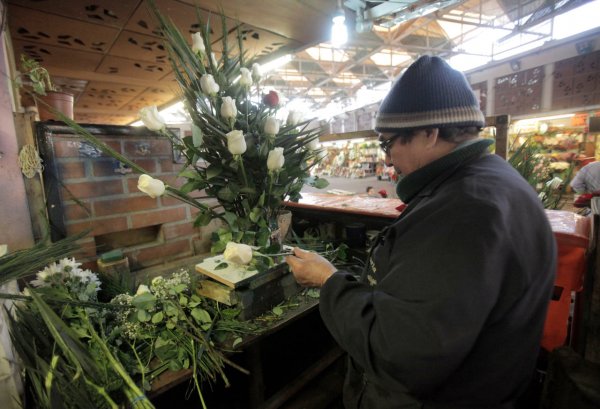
x,y
38,77
529,161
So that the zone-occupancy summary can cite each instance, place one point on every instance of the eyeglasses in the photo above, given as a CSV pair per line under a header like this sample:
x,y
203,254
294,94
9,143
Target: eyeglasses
x,y
386,145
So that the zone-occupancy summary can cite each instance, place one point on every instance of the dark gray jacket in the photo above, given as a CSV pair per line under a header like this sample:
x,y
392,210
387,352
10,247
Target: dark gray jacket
x,y
463,279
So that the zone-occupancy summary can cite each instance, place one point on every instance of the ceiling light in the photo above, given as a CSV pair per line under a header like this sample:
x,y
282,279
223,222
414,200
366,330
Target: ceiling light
x,y
339,32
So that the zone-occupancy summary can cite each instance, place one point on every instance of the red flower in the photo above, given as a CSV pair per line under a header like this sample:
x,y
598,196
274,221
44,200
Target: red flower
x,y
271,99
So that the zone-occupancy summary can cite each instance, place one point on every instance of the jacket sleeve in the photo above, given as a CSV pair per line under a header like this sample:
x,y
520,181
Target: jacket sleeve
x,y
415,326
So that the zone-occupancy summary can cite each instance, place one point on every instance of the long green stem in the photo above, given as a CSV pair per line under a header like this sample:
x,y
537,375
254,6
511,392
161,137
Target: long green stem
x,y
241,162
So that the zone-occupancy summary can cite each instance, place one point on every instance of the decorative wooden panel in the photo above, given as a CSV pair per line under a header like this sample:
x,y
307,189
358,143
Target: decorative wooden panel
x,y
519,93
481,91
576,82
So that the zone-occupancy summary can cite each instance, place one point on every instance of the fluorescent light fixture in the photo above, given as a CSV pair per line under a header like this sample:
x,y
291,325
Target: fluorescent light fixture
x,y
339,32
276,63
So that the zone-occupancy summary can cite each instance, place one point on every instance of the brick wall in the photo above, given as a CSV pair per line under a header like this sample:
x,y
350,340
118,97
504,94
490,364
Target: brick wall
x,y
88,190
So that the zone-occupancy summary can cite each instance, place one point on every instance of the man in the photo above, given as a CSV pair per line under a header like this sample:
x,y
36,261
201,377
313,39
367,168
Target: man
x,y
587,180
453,311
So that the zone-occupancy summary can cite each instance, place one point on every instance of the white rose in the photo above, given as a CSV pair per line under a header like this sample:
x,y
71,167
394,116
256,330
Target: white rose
x,y
256,72
228,108
313,145
151,118
152,187
293,118
142,289
271,126
275,160
238,253
198,43
236,144
208,84
246,77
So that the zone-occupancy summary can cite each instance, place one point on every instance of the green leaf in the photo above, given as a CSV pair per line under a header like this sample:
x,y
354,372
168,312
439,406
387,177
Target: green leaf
x,y
221,266
158,317
203,219
201,315
196,135
144,301
213,171
277,310
231,218
236,342
143,316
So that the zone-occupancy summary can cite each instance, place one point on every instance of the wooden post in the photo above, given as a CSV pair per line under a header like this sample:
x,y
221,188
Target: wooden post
x,y
501,123
34,187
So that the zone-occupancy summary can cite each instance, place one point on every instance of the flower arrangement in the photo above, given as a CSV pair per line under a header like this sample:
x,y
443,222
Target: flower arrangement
x,y
239,152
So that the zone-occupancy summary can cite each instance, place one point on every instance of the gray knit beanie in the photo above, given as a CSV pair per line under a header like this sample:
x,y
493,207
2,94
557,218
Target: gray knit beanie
x,y
430,93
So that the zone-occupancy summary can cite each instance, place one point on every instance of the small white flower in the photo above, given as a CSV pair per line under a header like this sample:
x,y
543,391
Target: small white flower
x,y
209,85
294,117
152,187
151,118
157,280
256,72
237,253
228,108
236,143
198,43
142,289
245,77
271,126
275,160
313,145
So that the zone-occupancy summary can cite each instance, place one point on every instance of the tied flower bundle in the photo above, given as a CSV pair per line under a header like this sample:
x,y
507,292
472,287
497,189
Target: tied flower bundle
x,y
78,351
239,152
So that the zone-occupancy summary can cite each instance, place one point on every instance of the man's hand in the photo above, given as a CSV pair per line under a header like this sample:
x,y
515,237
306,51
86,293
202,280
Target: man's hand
x,y
310,269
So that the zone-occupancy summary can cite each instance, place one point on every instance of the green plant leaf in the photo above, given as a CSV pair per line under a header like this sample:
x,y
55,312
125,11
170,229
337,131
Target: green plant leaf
x,y
158,317
201,315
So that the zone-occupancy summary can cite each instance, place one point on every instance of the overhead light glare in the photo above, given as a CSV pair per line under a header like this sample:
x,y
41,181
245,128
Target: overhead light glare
x,y
339,31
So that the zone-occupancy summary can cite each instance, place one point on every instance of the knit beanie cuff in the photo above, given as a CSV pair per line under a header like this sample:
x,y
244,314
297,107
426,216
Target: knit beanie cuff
x,y
456,116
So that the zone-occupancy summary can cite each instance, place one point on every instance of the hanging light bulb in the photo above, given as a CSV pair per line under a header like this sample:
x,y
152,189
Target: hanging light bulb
x,y
339,32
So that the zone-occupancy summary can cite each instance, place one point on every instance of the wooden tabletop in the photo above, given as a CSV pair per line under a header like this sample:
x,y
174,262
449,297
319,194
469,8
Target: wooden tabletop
x,y
355,204
569,228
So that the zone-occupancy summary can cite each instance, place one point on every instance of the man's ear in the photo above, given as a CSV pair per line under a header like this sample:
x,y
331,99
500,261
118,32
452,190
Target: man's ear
x,y
432,135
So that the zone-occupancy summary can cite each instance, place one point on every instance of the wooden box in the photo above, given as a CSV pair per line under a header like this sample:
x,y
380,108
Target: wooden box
x,y
253,293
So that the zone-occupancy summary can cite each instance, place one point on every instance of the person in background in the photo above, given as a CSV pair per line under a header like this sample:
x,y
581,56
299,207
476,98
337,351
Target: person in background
x,y
371,192
450,310
587,180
